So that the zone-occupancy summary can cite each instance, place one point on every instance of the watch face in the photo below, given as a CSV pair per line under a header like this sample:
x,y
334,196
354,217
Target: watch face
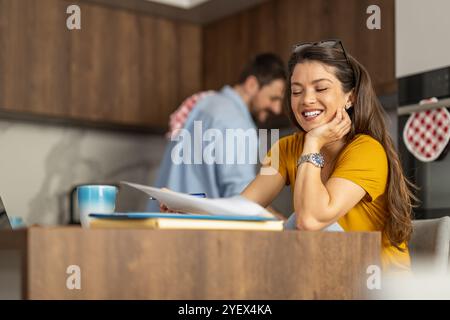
x,y
317,158
314,158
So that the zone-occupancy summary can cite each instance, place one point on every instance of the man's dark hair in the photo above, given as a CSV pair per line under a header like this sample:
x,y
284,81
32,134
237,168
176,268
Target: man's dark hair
x,y
265,67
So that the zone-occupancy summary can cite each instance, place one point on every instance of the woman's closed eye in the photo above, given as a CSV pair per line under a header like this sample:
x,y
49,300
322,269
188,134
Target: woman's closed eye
x,y
299,92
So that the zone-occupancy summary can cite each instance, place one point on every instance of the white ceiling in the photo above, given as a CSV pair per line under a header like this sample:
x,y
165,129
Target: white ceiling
x,y
184,4
196,11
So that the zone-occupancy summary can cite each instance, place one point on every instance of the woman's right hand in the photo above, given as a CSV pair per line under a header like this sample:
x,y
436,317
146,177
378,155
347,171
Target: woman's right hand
x,y
163,208
330,132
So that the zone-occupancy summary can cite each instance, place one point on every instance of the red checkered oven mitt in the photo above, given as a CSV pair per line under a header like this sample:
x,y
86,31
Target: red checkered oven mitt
x,y
426,133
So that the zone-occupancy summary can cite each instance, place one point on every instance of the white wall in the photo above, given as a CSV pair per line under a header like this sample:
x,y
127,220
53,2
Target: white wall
x,y
40,163
422,35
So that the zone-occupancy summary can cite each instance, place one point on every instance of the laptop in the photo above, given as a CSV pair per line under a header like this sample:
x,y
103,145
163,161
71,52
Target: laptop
x,y
4,220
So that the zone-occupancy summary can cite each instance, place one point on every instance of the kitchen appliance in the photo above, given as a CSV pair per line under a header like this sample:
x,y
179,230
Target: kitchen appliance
x,y
432,178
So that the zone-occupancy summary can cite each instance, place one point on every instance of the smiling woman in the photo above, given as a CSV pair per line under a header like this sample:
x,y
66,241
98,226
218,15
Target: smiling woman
x,y
341,165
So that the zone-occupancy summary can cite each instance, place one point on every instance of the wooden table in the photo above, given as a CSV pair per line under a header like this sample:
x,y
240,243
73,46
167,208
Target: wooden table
x,y
185,264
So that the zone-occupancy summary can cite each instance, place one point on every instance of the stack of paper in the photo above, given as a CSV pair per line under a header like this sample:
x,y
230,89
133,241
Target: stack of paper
x,y
235,213
180,202
183,221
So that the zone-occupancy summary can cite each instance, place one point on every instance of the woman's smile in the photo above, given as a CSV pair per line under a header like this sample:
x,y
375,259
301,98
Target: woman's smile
x,y
312,114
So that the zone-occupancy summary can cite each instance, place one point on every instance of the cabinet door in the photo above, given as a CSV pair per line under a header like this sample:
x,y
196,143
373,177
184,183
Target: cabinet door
x,y
34,57
122,67
277,25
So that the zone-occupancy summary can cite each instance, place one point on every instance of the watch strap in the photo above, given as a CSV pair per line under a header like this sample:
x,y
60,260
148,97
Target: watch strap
x,y
315,158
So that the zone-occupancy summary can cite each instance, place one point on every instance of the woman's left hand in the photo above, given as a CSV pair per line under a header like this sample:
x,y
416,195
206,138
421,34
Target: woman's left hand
x,y
332,131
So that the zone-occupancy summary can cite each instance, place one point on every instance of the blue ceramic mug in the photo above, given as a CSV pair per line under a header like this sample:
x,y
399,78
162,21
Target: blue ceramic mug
x,y
95,199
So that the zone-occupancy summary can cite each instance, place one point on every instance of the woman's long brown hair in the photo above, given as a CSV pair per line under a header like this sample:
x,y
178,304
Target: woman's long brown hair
x,y
368,117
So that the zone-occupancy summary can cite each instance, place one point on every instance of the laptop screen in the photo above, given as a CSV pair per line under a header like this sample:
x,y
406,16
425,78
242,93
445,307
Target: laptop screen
x,y
4,220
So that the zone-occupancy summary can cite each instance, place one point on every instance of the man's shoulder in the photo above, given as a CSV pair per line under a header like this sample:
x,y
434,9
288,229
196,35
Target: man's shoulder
x,y
221,112
216,104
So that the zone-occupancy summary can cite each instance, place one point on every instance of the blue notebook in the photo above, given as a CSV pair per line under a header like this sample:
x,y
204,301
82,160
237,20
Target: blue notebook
x,y
150,215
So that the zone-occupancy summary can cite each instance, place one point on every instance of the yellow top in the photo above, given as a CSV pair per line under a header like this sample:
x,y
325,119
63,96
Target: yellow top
x,y
364,162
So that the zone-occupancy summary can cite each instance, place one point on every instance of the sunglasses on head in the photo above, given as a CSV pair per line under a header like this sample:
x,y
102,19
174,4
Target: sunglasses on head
x,y
330,43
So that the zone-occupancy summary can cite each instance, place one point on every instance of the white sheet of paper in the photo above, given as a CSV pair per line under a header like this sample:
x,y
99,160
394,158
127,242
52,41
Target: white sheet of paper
x,y
237,205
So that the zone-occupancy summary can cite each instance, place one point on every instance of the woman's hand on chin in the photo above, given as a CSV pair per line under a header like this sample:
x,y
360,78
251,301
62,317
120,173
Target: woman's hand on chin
x,y
330,132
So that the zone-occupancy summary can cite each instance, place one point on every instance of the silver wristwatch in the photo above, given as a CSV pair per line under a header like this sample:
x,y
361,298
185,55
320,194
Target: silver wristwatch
x,y
315,158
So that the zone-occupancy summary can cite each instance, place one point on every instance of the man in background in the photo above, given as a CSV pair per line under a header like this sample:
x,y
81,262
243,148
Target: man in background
x,y
258,94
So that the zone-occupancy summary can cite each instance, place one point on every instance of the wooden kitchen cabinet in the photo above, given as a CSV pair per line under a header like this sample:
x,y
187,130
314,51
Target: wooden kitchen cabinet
x,y
129,68
123,67
277,25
